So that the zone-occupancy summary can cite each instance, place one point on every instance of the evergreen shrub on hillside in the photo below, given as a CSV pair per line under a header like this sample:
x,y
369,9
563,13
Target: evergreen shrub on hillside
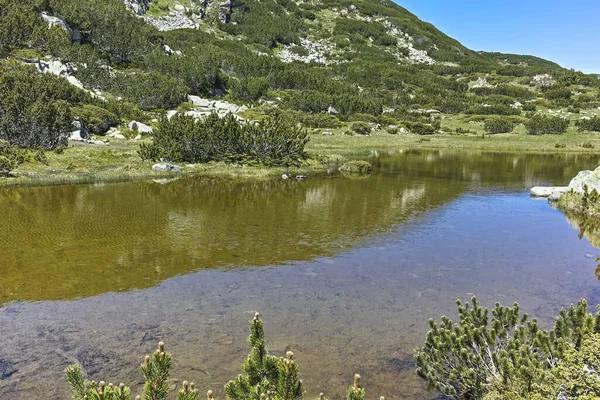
x,y
546,124
506,355
272,142
498,125
10,158
592,124
34,108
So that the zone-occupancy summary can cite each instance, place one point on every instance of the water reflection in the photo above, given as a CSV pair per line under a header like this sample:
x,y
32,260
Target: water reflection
x,y
589,228
347,272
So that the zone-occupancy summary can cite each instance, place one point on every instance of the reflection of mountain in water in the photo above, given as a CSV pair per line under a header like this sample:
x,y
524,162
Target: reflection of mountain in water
x,y
65,242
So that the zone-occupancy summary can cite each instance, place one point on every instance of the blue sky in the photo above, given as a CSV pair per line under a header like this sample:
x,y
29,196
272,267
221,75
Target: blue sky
x,y
566,32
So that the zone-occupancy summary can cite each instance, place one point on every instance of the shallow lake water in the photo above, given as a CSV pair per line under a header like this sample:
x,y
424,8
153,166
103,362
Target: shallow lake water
x,y
346,272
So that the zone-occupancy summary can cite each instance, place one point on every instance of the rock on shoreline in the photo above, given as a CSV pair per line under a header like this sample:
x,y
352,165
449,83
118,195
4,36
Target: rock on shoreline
x,y
591,179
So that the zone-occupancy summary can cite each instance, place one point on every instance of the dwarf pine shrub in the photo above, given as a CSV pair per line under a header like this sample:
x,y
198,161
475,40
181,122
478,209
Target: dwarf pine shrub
x,y
546,124
182,138
10,158
498,125
265,377
592,124
502,356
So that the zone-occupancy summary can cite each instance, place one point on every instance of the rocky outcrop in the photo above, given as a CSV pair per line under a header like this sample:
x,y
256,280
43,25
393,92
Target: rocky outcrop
x,y
78,130
139,127
138,7
591,179
225,11
166,167
542,80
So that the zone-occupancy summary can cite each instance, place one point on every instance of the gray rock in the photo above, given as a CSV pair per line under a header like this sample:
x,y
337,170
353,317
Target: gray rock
x,y
301,177
199,101
54,21
171,113
78,130
331,110
581,179
547,191
327,133
139,127
113,133
285,177
165,167
139,7
225,11
404,130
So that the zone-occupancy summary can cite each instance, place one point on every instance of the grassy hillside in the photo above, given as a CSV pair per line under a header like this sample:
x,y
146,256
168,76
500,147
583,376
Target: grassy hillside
x,y
343,66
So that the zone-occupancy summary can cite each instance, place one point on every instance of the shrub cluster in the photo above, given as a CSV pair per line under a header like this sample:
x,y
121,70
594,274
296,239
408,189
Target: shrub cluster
x,y
10,158
546,124
508,356
498,125
592,124
185,139
34,109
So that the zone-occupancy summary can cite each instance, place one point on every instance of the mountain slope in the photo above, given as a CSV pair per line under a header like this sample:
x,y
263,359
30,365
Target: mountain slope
x,y
321,63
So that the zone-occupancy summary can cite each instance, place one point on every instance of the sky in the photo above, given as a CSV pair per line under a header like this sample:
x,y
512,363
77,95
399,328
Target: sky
x,y
566,32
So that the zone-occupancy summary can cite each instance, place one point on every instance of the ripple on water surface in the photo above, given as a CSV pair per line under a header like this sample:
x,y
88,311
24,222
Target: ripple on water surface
x,y
346,272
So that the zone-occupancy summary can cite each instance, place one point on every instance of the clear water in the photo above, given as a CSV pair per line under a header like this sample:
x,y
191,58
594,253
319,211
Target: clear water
x,y
346,272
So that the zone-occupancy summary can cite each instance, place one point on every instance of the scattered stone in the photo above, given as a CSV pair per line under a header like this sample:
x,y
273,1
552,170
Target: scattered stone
x,y
404,130
113,133
480,83
198,101
327,133
139,127
301,177
166,167
542,80
285,177
545,192
331,110
171,113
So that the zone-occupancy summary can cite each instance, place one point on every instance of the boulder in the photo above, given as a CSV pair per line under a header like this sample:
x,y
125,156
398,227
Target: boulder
x,y
54,21
583,178
171,113
139,127
199,101
547,191
114,133
225,11
331,110
78,130
285,177
327,133
166,167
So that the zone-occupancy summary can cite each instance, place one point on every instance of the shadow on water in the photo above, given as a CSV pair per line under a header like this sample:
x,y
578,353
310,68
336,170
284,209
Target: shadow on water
x,y
346,272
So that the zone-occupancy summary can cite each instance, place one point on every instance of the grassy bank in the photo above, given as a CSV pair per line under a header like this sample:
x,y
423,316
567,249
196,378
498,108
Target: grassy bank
x,y
119,161
583,205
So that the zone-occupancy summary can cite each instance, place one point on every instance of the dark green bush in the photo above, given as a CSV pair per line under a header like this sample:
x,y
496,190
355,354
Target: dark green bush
x,y
419,128
592,124
559,93
546,124
498,125
97,120
10,158
362,128
34,108
183,139
505,355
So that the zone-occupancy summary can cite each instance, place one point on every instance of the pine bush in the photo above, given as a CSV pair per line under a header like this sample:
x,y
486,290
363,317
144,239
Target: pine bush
x,y
273,142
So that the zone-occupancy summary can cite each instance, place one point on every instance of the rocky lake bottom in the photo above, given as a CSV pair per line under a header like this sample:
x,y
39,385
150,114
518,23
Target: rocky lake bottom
x,y
346,272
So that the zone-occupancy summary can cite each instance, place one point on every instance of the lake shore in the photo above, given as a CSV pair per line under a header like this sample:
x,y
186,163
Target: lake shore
x,y
119,161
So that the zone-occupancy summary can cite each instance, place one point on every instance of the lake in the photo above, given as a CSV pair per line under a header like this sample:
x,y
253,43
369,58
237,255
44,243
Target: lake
x,y
345,271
